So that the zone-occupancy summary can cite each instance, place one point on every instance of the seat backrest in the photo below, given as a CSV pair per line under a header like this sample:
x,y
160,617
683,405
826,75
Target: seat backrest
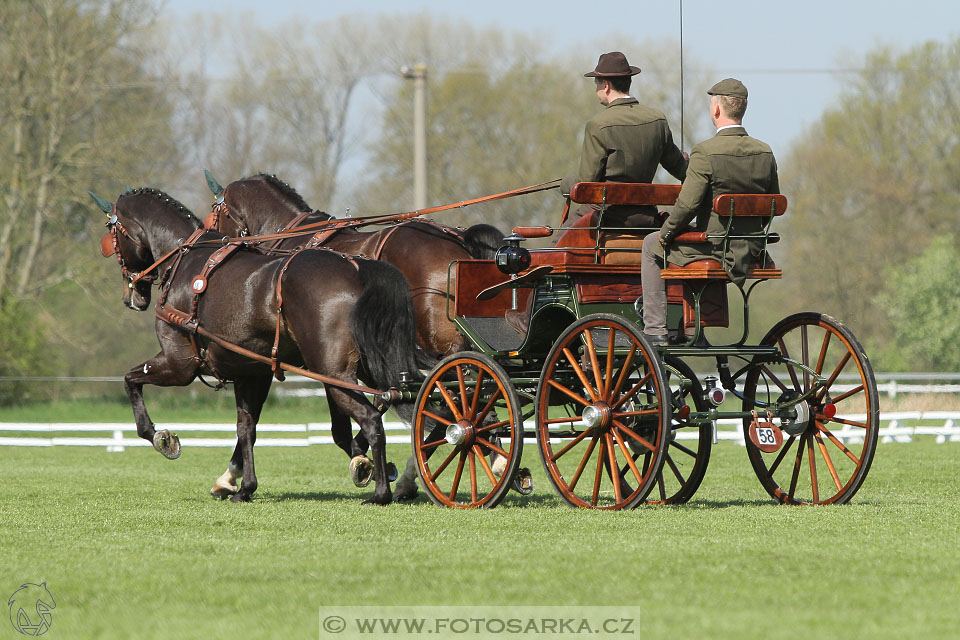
x,y
615,193
750,204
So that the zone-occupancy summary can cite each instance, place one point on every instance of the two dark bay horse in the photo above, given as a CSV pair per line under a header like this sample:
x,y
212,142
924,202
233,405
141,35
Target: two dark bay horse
x,y
422,250
331,322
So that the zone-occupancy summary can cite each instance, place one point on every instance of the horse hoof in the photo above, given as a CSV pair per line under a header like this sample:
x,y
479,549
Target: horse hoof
x,y
361,470
392,474
222,493
240,497
168,444
405,493
523,482
379,500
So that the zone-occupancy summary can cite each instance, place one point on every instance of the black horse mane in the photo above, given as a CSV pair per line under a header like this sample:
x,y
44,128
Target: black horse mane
x,y
163,197
285,189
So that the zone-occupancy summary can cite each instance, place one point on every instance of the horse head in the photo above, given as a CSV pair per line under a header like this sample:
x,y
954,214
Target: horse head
x,y
141,224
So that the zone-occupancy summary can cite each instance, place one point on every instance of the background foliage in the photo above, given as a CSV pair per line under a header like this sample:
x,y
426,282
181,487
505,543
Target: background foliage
x,y
102,93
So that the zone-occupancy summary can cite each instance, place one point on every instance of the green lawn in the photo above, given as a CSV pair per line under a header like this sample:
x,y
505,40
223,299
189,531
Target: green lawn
x,y
130,545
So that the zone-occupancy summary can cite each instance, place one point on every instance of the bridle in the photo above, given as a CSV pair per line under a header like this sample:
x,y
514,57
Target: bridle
x,y
221,211
110,245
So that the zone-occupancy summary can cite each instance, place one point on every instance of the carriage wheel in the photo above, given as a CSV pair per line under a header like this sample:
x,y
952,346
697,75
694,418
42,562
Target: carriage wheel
x,y
828,447
686,459
603,414
467,411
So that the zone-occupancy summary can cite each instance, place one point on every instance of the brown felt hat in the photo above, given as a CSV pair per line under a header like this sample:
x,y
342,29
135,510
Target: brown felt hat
x,y
611,65
729,87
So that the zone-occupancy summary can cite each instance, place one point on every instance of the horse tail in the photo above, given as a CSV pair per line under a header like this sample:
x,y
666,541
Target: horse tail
x,y
483,240
383,326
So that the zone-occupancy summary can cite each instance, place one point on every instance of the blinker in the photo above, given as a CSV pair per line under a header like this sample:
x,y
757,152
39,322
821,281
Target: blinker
x,y
107,246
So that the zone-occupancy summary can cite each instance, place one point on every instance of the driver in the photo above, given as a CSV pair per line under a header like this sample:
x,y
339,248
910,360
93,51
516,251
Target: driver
x,y
729,162
625,142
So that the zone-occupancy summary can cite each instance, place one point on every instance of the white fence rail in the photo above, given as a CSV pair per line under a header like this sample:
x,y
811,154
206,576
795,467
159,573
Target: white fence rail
x,y
895,427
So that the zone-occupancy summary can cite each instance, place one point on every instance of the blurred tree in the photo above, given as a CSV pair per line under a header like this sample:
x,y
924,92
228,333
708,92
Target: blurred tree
x,y
509,117
76,111
871,183
920,299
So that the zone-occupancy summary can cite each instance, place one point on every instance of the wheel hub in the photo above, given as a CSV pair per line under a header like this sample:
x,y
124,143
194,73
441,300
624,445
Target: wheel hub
x,y
798,423
597,415
459,433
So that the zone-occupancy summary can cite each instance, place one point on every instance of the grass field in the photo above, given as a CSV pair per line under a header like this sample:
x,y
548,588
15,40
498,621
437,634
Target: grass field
x,y
130,545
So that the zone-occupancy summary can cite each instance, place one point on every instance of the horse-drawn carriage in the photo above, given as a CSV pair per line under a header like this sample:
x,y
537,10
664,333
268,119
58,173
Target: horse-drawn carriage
x,y
617,421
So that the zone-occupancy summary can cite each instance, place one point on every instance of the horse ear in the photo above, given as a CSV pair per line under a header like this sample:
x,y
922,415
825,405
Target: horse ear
x,y
212,183
105,206
129,189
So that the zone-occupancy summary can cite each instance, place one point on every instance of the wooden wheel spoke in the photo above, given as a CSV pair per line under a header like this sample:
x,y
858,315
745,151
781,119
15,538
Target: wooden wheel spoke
x,y
645,412
852,423
449,400
435,443
611,342
812,460
776,380
630,432
612,467
833,376
689,452
805,355
477,390
626,454
629,394
836,441
443,465
486,409
483,463
624,372
661,487
493,447
823,351
463,389
492,426
596,480
473,476
569,419
571,444
553,383
594,363
583,463
796,467
828,461
458,475
793,374
843,396
676,471
580,375
437,418
781,455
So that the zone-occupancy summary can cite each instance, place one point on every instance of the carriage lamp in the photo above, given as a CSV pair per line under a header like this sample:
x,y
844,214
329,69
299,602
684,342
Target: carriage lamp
x,y
715,395
512,258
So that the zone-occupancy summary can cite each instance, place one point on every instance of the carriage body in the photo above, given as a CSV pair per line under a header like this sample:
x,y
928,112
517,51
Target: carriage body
x,y
618,422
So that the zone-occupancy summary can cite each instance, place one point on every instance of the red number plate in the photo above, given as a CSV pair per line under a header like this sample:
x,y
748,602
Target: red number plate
x,y
767,436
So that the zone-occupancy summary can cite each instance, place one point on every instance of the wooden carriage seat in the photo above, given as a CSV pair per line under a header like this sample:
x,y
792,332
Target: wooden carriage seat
x,y
731,205
617,247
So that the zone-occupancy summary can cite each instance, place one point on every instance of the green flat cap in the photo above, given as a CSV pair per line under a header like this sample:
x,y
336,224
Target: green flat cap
x,y
729,87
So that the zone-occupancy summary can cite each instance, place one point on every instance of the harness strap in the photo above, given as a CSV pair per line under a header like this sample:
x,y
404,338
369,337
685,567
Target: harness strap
x,y
186,245
199,282
274,361
275,244
384,236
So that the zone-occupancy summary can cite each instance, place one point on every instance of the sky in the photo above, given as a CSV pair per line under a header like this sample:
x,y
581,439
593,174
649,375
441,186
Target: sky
x,y
794,57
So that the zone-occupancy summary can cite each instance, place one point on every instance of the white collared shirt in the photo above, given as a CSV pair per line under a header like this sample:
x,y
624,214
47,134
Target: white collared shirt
x,y
729,126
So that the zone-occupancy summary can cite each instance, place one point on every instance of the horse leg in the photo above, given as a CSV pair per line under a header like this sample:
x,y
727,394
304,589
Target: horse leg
x,y
250,394
226,485
162,370
361,467
371,427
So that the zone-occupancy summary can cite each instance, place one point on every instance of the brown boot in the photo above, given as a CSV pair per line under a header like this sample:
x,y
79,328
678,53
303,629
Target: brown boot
x,y
518,319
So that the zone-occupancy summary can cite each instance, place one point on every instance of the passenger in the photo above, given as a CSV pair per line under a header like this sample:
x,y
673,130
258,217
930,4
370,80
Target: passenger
x,y
625,142
730,162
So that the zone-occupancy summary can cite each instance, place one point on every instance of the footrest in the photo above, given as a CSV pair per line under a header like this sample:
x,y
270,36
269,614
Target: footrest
x,y
712,270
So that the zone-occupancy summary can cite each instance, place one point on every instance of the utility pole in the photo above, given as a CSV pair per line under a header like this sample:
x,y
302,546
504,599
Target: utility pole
x,y
418,73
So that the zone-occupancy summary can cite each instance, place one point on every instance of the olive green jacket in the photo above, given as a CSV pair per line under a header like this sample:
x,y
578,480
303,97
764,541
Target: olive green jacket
x,y
626,142
730,162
